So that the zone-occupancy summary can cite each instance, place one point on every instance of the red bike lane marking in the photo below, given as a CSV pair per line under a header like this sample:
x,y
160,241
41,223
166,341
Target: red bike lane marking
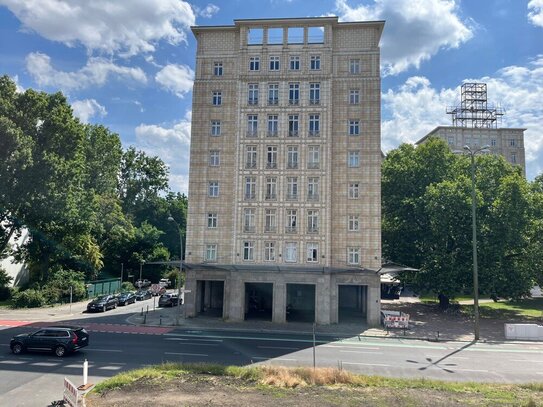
x,y
93,327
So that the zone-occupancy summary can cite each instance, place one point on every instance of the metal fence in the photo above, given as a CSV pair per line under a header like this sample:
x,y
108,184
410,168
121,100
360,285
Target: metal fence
x,y
101,287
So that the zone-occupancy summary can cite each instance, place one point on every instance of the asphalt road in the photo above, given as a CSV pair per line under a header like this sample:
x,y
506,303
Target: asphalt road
x,y
36,379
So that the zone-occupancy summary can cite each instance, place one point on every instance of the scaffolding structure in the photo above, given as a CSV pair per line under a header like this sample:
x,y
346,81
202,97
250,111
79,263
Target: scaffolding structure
x,y
474,111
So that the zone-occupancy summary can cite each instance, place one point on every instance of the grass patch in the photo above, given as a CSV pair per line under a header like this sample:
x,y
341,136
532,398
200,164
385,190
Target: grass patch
x,y
528,307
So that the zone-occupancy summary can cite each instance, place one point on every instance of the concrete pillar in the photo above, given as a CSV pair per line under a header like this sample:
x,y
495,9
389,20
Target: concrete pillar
x,y
190,298
322,299
235,291
374,305
279,309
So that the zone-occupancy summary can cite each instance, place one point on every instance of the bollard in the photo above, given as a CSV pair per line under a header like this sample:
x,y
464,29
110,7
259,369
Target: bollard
x,y
160,321
141,312
85,372
147,309
437,336
145,318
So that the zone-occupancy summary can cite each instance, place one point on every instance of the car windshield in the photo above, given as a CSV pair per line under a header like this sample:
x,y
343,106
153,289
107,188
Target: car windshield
x,y
102,298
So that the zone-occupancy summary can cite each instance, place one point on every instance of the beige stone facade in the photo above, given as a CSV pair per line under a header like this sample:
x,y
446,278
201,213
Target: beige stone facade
x,y
285,162
507,142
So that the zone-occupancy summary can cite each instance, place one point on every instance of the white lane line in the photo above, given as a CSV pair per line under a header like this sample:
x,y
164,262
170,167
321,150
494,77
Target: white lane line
x,y
45,364
277,347
349,347
176,339
364,364
4,344
194,339
363,352
273,359
12,362
469,370
185,354
525,360
104,350
109,368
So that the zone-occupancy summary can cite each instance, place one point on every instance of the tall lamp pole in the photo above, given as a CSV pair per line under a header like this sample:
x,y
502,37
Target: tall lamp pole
x,y
171,219
472,154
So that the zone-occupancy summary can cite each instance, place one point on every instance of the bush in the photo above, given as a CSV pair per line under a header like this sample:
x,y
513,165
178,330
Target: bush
x,y
5,293
57,289
173,275
5,279
29,299
127,286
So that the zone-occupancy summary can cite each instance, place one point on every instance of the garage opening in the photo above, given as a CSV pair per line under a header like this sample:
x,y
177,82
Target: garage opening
x,y
301,302
258,301
210,298
352,303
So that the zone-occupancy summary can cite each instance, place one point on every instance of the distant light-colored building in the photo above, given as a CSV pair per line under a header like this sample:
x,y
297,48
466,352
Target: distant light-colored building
x,y
284,219
18,271
508,142
476,124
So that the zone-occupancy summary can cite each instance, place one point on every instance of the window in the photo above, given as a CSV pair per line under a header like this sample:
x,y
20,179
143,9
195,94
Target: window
x,y
249,220
211,220
354,96
353,255
512,142
312,221
493,142
293,125
314,125
291,249
315,62
312,252
214,158
450,140
271,157
211,252
213,188
292,157
215,128
275,35
295,35
294,63
270,220
217,98
354,190
292,218
273,125
217,69
273,94
248,251
354,66
313,157
513,158
354,127
250,157
294,93
254,63
250,188
313,188
354,159
353,223
314,93
252,125
292,188
269,251
271,188
274,63
252,94
255,36
315,35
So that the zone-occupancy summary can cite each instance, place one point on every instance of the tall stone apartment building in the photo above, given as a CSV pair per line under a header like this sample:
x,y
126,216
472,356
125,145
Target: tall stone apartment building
x,y
284,219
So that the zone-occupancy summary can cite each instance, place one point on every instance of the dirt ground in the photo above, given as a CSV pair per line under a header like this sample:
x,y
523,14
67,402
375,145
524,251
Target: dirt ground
x,y
198,390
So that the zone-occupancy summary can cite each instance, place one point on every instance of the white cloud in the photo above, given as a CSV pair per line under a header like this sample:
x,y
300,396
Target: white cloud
x,y
126,27
414,30
94,73
535,13
172,145
208,11
18,86
177,79
415,108
87,108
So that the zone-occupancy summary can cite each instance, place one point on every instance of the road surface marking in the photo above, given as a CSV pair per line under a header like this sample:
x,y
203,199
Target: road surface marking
x,y
469,370
4,344
185,354
201,344
348,347
104,350
360,352
12,362
278,347
364,364
526,360
110,368
176,339
45,364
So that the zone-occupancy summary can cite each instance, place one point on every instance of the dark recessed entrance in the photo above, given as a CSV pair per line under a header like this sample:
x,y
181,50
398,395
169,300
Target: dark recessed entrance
x,y
210,298
301,302
258,301
352,303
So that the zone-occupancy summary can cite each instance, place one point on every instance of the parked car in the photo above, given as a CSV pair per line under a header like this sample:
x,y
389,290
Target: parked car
x,y
168,300
143,295
103,303
164,282
142,283
126,298
57,339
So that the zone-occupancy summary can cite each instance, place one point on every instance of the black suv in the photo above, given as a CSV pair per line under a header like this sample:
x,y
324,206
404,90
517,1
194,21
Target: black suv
x,y
103,303
168,300
58,339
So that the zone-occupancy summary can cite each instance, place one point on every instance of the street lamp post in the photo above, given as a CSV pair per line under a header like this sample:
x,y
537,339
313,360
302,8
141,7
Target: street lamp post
x,y
472,154
171,219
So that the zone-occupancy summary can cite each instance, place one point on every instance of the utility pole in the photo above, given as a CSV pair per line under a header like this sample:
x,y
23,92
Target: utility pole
x,y
171,219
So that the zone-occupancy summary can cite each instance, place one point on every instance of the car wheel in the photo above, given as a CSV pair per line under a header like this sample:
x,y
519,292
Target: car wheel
x,y
17,348
104,308
60,351
114,306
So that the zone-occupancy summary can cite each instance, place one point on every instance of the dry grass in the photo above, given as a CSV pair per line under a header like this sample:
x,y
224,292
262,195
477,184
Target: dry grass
x,y
301,377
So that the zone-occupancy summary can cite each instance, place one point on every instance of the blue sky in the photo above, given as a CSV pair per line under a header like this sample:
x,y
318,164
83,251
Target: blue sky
x,y
130,64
